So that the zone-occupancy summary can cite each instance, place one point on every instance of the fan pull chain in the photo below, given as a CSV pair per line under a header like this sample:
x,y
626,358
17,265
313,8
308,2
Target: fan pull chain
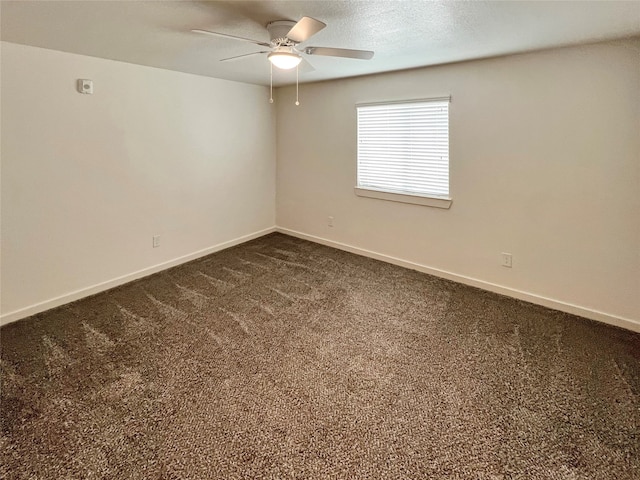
x,y
297,68
271,83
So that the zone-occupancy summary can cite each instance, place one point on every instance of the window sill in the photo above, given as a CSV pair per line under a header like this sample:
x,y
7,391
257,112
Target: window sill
x,y
438,202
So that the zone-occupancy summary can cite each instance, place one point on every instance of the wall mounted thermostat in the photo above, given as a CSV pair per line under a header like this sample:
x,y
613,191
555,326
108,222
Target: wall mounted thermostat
x,y
85,86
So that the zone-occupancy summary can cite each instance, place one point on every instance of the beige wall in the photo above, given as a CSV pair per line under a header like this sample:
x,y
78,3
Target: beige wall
x,y
545,164
87,180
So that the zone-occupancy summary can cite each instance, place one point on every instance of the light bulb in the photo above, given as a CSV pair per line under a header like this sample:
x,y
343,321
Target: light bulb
x,y
284,60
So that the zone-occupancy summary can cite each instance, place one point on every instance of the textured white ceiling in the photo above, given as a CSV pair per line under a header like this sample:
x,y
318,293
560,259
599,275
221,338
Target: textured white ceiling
x,y
403,33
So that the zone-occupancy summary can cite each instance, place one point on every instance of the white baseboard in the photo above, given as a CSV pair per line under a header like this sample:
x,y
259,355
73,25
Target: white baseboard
x,y
100,287
511,292
474,282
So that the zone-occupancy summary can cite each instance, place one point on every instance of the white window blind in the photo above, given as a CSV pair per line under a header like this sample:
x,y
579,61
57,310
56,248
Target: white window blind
x,y
404,147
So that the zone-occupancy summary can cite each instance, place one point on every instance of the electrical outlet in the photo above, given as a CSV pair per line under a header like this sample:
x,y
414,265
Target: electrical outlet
x,y
156,241
330,221
507,260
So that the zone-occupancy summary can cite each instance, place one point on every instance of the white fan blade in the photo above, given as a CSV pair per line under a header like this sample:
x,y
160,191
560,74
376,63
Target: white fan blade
x,y
306,67
304,29
339,52
241,56
234,37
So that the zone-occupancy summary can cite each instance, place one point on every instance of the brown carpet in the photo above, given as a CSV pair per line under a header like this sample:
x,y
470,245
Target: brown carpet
x,y
284,359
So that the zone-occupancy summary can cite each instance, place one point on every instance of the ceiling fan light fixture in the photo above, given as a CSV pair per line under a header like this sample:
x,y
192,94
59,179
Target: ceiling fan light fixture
x,y
284,60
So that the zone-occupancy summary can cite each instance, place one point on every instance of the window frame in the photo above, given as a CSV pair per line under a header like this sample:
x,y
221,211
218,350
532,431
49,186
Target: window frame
x,y
426,199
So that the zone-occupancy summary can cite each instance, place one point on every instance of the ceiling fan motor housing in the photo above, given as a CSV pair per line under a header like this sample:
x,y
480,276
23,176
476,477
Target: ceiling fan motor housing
x,y
278,32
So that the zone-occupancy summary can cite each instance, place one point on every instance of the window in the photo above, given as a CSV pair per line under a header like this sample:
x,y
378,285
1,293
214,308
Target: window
x,y
403,151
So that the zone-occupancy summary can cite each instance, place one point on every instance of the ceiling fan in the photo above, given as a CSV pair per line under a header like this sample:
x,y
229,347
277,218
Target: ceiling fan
x,y
286,35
